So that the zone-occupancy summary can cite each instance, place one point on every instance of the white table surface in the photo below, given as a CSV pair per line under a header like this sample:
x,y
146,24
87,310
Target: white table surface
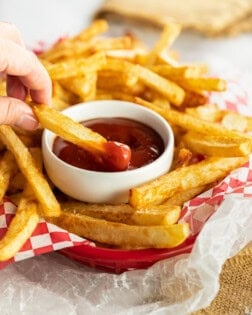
x,y
47,20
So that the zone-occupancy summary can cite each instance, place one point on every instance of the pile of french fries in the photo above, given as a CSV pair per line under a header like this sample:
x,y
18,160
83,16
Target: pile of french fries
x,y
209,142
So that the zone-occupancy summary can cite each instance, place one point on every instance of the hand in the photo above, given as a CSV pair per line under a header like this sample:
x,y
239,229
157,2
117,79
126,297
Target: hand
x,y
23,73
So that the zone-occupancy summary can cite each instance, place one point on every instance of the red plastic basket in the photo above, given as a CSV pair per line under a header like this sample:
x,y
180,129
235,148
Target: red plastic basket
x,y
117,260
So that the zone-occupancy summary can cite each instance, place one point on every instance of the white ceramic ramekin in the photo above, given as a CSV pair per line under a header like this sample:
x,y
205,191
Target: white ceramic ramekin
x,y
107,187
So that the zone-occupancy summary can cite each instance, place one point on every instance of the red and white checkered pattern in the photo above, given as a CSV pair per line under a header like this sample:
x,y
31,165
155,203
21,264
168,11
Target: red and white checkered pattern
x,y
234,98
199,209
48,237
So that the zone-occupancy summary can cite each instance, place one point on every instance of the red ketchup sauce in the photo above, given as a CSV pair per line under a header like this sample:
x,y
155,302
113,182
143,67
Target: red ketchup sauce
x,y
145,143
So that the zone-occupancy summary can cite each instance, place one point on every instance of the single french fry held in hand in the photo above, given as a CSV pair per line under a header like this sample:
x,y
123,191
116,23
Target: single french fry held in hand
x,y
123,235
68,129
25,220
124,213
33,175
8,168
182,179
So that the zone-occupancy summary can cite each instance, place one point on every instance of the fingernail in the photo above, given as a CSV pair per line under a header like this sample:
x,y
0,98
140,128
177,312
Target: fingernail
x,y
27,122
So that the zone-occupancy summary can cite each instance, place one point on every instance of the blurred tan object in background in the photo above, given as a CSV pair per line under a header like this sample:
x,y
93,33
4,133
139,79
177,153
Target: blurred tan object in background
x,y
212,18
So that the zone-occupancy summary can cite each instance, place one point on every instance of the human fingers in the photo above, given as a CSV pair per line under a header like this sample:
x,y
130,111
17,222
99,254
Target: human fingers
x,y
11,32
16,112
15,88
20,62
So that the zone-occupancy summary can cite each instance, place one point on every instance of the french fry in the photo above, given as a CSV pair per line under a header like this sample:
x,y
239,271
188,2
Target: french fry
x,y
182,158
163,215
108,44
58,104
192,123
121,68
182,179
68,129
205,84
25,221
76,67
57,51
85,49
2,87
180,72
83,86
8,167
124,213
133,55
33,175
178,199
111,79
215,146
63,94
194,99
103,94
20,229
169,34
123,235
249,123
174,93
15,198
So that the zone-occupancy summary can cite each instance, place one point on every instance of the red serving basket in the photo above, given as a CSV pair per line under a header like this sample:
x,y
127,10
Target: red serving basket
x,y
118,260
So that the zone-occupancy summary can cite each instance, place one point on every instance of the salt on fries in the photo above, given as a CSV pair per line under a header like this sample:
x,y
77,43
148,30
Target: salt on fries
x,y
90,66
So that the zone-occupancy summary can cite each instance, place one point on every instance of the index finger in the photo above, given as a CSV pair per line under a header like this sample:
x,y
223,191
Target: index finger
x,y
18,61
10,31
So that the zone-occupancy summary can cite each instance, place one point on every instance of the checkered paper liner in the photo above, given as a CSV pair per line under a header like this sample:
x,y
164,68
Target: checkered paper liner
x,y
48,237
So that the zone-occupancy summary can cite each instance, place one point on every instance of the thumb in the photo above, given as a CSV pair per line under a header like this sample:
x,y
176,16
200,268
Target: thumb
x,y
15,112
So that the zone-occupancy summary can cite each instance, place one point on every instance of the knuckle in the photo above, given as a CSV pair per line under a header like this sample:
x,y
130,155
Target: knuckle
x,y
8,108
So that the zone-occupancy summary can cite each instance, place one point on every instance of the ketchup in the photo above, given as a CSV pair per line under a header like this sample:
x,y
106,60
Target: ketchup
x,y
145,144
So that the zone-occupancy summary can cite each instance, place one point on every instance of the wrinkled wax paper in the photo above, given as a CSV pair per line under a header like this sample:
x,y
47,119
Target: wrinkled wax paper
x,y
52,284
